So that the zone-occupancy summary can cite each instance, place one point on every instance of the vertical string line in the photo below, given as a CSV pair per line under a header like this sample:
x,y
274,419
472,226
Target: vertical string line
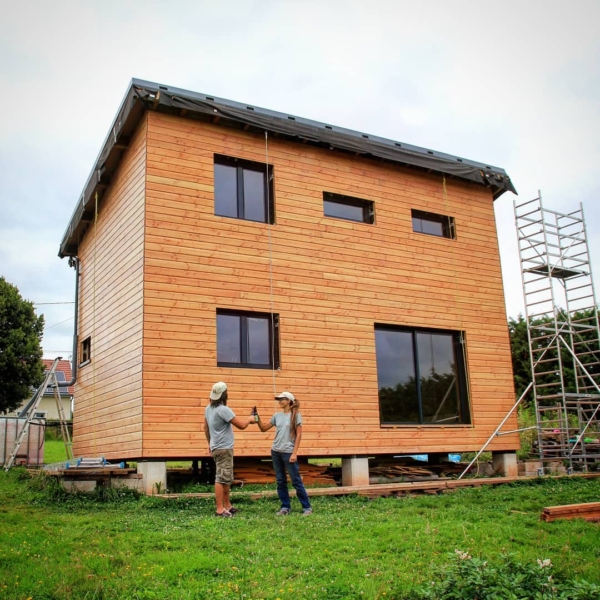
x,y
270,247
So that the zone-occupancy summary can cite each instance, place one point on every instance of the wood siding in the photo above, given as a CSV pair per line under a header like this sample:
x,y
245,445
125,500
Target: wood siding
x,y
332,281
108,396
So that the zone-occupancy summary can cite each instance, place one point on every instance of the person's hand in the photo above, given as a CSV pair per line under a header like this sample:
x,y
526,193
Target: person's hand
x,y
293,457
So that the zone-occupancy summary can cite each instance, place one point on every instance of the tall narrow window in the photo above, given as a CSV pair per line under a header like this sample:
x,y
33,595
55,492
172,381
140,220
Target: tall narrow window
x,y
247,339
347,207
86,351
243,189
422,377
433,224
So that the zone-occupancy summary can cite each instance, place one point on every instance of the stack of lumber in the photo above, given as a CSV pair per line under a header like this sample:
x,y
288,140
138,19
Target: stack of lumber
x,y
589,511
392,471
261,472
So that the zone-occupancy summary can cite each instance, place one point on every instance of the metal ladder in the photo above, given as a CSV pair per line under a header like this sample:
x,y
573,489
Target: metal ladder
x,y
49,380
562,325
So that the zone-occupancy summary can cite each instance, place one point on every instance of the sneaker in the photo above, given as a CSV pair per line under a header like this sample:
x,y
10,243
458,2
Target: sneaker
x,y
233,510
283,512
306,512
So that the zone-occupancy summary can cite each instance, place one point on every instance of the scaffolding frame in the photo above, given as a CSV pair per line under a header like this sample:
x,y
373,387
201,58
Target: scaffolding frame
x,y
562,331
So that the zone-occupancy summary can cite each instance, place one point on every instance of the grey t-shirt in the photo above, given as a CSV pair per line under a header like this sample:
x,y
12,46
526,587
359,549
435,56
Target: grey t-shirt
x,y
283,441
219,424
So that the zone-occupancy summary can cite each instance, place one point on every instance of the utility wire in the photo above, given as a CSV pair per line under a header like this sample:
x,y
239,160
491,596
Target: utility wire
x,y
46,303
57,324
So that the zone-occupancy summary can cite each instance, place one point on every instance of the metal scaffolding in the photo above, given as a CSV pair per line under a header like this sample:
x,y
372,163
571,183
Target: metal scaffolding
x,y
563,333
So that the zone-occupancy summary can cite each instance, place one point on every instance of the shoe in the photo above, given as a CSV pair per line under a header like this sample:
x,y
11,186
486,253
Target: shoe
x,y
283,512
306,512
224,514
233,510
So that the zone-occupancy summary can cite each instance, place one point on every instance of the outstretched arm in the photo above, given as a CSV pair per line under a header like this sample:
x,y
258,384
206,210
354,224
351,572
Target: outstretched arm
x,y
294,456
241,423
264,426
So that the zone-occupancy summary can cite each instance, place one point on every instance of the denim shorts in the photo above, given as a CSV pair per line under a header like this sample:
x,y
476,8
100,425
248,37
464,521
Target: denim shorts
x,y
224,461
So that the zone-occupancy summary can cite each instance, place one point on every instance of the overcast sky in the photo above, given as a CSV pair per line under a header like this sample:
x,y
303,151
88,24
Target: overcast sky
x,y
514,84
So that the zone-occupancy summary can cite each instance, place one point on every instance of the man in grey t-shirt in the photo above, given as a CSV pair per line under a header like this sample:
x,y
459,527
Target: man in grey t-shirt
x,y
218,421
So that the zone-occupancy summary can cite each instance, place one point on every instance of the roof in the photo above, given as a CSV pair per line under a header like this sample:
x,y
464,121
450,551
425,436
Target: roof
x,y
144,95
63,373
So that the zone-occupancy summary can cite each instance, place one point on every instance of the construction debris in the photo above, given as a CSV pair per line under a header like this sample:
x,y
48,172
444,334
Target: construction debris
x,y
589,511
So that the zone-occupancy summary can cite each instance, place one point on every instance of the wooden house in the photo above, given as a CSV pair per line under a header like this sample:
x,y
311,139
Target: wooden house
x,y
224,242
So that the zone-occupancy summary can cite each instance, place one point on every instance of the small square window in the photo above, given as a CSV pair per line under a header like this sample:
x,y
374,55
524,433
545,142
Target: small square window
x,y
433,224
349,208
86,351
247,339
243,189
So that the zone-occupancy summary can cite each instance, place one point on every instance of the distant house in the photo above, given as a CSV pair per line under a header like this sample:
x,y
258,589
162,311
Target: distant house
x,y
47,407
221,241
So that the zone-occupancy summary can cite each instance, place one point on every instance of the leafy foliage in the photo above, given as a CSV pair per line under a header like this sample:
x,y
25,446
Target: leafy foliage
x,y
21,333
468,577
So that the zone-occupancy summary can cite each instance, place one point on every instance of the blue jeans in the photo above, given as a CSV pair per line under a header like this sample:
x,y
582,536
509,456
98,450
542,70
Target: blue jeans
x,y
282,464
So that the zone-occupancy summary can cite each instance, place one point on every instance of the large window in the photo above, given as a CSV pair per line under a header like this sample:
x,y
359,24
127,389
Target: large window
x,y
247,339
347,207
433,224
421,375
243,189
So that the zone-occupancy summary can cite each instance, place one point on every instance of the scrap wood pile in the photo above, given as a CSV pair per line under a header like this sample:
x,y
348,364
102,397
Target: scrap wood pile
x,y
260,472
409,468
589,511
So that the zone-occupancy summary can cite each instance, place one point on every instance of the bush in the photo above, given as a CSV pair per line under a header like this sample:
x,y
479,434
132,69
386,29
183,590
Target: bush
x,y
469,578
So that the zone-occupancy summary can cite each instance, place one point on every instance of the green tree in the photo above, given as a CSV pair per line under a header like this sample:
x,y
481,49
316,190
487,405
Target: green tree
x,y
21,330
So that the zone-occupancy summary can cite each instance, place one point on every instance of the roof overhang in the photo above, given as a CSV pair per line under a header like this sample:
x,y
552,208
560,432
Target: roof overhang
x,y
144,95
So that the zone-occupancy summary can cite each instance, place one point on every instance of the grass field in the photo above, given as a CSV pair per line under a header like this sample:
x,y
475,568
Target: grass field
x,y
119,545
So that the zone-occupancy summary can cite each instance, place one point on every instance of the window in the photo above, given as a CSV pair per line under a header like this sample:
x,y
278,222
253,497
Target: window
x,y
86,351
421,375
346,207
242,190
247,339
432,224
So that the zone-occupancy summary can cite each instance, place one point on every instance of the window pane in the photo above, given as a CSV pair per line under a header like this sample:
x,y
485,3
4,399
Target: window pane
x,y
396,377
343,211
254,196
226,191
258,341
417,225
228,339
431,227
439,384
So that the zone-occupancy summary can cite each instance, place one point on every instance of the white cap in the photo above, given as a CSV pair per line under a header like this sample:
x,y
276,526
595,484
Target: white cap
x,y
288,395
217,390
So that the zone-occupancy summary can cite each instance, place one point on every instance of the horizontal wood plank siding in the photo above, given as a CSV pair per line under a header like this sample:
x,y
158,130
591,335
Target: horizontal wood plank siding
x,y
332,281
108,395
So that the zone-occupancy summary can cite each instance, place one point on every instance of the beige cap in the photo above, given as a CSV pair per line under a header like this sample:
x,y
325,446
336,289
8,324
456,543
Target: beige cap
x,y
217,390
288,395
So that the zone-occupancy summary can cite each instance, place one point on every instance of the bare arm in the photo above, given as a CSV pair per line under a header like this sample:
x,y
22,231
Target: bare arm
x,y
241,423
207,432
264,426
294,456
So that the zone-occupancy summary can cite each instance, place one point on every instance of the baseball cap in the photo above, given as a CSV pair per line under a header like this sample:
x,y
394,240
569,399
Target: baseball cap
x,y
288,395
217,390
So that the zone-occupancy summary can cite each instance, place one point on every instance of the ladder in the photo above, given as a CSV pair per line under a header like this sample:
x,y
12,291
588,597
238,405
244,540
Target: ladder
x,y
563,332
50,380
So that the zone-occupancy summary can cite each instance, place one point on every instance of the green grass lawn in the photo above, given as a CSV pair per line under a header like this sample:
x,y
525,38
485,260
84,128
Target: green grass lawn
x,y
119,545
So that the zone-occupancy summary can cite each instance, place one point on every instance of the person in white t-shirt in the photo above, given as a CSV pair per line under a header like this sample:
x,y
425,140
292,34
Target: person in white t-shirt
x,y
288,435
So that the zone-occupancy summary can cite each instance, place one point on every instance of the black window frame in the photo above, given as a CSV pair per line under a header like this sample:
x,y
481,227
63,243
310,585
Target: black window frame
x,y
242,165
86,351
458,339
447,223
273,323
368,207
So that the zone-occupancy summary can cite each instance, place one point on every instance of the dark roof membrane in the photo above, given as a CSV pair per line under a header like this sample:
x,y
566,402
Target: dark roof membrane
x,y
144,95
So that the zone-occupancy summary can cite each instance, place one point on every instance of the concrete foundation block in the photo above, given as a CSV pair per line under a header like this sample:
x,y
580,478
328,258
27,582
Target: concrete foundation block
x,y
529,468
355,471
505,464
154,476
132,484
79,485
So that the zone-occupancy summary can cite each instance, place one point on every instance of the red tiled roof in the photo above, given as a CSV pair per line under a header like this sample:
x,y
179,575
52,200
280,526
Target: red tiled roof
x,y
65,367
